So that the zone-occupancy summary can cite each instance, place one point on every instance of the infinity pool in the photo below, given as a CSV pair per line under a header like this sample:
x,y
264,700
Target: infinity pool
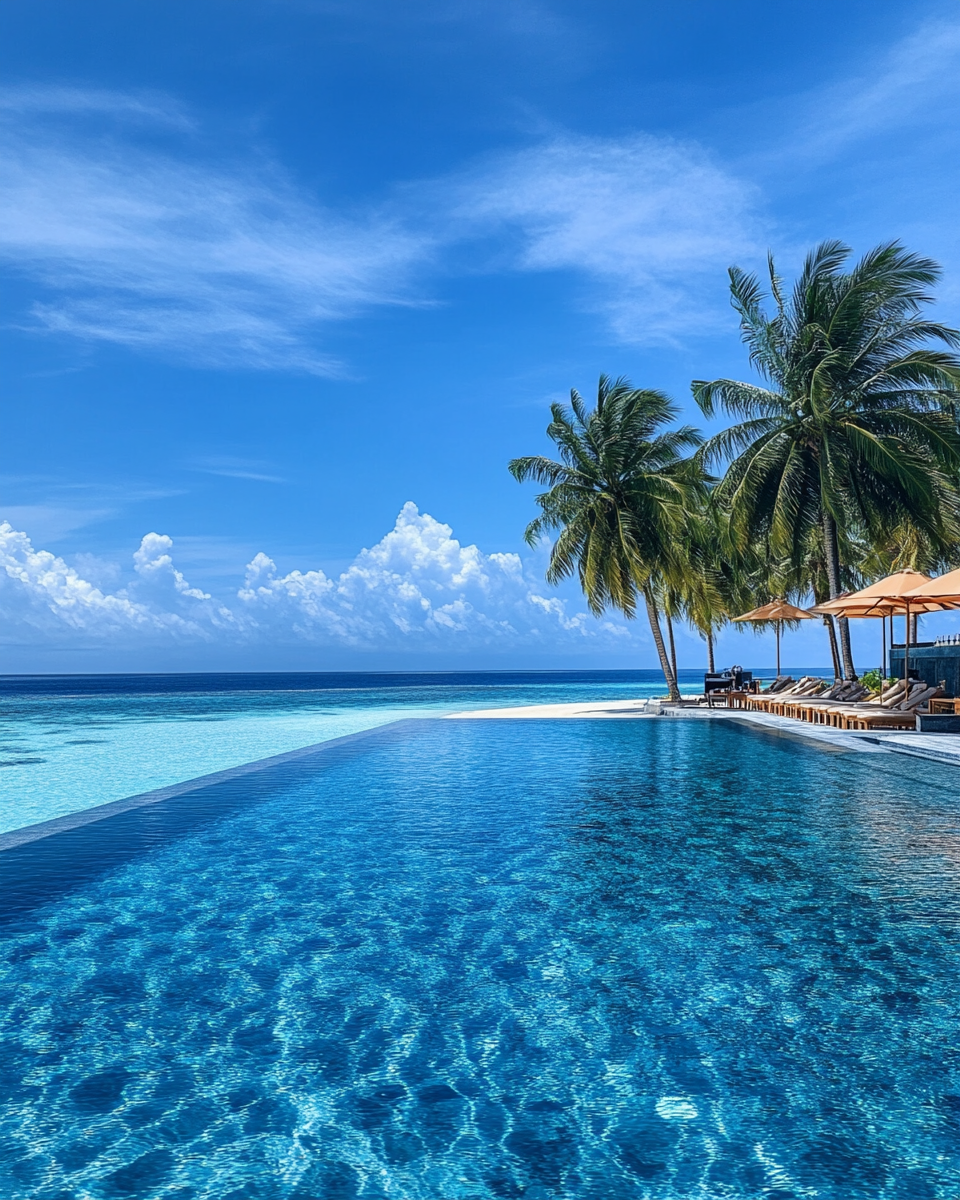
x,y
482,960
71,742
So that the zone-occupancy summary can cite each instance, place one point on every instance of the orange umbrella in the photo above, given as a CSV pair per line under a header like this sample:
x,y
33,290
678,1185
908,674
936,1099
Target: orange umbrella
x,y
944,591
776,611
846,606
892,594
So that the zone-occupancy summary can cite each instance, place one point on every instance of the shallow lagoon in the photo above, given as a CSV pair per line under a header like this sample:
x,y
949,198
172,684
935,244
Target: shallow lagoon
x,y
501,959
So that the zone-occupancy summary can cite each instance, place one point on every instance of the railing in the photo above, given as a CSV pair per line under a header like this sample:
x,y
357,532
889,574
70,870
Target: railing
x,y
948,639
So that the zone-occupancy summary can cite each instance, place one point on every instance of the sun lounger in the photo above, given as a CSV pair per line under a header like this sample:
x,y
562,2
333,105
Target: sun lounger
x,y
839,715
780,684
814,707
765,701
791,706
831,708
901,716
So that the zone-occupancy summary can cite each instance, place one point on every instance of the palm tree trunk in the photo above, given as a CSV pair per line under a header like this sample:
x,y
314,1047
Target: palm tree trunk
x,y
673,647
710,664
834,650
661,648
832,555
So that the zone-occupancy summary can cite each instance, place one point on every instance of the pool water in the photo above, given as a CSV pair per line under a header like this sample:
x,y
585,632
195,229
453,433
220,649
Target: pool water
x,y
69,743
653,959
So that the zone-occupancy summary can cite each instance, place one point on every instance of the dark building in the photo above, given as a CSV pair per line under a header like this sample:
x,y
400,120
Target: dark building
x,y
937,665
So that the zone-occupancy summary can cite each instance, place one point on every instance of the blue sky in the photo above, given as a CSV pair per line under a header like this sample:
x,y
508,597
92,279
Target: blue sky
x,y
275,273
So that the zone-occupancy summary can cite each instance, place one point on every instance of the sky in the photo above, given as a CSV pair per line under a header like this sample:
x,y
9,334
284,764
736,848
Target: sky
x,y
286,284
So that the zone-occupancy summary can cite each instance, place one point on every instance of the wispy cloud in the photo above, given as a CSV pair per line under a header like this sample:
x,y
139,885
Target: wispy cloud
x,y
52,522
143,241
649,220
238,468
224,267
151,249
915,83
156,109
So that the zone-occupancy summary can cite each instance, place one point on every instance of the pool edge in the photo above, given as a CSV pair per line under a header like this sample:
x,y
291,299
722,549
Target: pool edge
x,y
89,816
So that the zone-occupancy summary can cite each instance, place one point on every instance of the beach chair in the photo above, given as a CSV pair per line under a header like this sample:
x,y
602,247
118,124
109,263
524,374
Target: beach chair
x,y
780,686
837,715
764,702
814,708
790,706
901,716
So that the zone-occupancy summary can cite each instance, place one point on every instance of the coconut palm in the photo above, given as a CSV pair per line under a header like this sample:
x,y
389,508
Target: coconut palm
x,y
857,424
712,588
619,496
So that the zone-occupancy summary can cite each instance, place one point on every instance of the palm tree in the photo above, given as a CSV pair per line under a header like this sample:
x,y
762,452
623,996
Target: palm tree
x,y
711,584
619,496
857,425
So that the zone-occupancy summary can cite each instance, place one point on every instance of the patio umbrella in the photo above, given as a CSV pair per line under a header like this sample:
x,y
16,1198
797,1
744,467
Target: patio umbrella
x,y
842,607
777,612
887,596
944,591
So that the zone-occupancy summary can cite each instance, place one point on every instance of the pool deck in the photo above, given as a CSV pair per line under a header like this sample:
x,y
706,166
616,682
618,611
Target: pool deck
x,y
938,747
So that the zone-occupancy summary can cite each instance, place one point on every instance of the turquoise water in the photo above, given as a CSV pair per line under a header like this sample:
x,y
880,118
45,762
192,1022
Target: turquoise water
x,y
660,960
70,743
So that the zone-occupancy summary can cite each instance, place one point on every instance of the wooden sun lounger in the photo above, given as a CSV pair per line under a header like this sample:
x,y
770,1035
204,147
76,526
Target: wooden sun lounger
x,y
796,706
834,706
811,708
765,702
838,716
903,716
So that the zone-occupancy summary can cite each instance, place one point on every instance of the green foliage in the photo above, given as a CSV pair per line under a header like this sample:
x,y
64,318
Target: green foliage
x,y
854,435
842,465
620,496
873,680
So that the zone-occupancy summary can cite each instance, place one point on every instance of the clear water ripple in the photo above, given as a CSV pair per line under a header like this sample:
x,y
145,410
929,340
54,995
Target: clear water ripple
x,y
581,960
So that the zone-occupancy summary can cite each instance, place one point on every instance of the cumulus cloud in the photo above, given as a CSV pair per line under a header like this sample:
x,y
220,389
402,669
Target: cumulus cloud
x,y
41,594
417,589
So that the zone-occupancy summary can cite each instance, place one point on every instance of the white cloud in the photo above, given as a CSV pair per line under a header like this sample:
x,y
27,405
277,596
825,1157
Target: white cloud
x,y
650,220
40,593
917,80
51,522
418,589
238,468
141,247
148,243
140,243
154,109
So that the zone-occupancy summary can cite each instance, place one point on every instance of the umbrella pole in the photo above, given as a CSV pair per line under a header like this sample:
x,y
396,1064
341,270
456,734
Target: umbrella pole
x,y
778,649
883,654
891,637
906,653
